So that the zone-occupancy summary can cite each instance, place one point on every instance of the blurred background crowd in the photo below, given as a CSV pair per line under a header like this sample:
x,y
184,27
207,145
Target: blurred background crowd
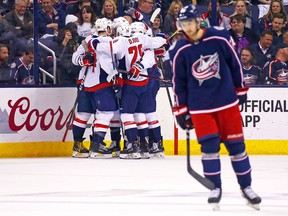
x,y
258,27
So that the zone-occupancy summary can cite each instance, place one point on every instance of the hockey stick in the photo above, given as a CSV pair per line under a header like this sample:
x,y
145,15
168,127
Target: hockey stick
x,y
154,15
148,76
167,91
114,72
72,112
171,36
204,181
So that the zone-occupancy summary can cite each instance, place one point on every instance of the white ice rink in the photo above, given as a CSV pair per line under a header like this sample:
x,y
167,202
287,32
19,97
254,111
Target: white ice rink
x,y
160,187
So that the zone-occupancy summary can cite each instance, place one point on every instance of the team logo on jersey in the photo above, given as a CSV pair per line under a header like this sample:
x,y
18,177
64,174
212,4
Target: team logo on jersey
x,y
250,79
282,76
206,68
28,80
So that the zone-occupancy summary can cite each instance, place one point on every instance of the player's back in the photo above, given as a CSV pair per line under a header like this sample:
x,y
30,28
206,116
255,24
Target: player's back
x,y
128,47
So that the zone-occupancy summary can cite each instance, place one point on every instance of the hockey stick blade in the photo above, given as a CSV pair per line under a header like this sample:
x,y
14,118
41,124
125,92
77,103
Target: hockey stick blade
x,y
84,44
155,14
204,181
73,110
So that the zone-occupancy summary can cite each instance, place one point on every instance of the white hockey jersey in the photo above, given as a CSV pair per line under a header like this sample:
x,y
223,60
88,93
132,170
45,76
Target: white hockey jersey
x,y
131,48
97,73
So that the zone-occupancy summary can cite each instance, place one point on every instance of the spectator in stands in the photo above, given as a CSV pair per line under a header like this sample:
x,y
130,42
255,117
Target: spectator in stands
x,y
64,45
109,10
170,19
251,72
275,8
263,50
157,24
50,20
141,14
223,20
59,5
9,35
242,36
5,77
75,7
86,22
22,68
276,72
145,7
7,32
278,28
21,19
241,8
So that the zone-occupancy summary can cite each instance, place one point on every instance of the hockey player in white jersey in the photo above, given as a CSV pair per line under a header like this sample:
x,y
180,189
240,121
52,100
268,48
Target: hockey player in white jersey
x,y
98,95
153,131
128,50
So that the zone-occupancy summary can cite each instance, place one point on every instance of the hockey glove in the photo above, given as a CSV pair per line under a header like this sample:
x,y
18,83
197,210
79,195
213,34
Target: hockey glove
x,y
135,14
117,86
87,60
160,52
183,117
135,70
242,94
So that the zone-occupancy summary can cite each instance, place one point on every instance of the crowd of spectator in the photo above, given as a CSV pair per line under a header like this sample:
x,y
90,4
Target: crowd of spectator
x,y
63,24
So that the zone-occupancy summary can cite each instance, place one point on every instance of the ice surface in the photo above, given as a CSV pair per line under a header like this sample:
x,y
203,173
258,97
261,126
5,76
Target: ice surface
x,y
162,187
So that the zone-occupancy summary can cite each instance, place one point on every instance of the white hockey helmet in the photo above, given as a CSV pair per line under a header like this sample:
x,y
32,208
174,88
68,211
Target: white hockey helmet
x,y
102,24
123,30
138,27
119,21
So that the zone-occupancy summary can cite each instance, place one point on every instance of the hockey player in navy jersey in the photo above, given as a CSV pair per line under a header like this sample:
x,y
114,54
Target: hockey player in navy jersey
x,y
208,86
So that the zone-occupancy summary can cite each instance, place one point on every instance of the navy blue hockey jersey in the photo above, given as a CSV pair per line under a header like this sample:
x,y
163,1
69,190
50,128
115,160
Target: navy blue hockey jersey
x,y
206,72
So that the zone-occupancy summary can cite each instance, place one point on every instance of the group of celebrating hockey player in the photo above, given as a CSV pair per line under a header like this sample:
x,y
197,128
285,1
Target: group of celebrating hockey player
x,y
208,88
118,100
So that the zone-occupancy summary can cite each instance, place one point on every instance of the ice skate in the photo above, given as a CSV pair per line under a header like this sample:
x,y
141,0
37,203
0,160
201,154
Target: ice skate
x,y
131,151
98,150
157,150
114,148
79,150
144,147
253,200
214,198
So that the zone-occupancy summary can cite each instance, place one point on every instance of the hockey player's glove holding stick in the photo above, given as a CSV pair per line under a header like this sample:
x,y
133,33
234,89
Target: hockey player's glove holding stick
x,y
242,94
135,70
87,60
183,117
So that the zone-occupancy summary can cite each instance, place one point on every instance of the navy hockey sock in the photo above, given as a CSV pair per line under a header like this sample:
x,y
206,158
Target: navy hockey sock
x,y
131,134
212,168
115,134
78,133
155,134
98,137
242,169
143,133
